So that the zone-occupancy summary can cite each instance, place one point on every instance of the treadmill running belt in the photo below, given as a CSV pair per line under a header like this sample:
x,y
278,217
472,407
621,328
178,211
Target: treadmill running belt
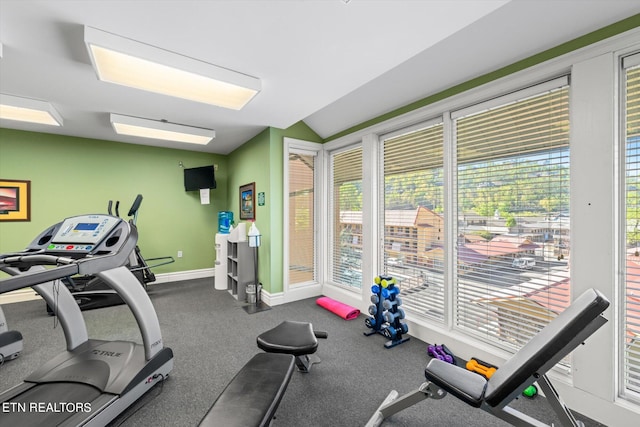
x,y
48,404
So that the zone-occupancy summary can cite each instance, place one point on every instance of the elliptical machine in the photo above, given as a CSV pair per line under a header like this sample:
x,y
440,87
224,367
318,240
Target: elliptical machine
x,y
91,292
140,268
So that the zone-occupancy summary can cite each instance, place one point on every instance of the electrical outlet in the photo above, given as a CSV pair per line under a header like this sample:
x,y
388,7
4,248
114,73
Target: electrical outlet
x,y
179,254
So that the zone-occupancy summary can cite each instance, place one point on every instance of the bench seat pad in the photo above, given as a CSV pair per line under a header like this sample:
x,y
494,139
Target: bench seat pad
x,y
253,395
289,337
463,384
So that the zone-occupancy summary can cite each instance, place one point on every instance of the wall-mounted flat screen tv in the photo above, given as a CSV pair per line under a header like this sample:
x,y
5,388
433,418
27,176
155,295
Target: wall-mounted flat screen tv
x,y
198,178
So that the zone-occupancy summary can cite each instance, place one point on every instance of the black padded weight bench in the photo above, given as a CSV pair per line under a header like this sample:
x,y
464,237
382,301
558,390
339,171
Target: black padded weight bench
x,y
253,395
530,364
295,338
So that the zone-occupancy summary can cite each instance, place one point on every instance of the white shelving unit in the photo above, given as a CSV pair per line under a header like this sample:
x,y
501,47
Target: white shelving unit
x,y
240,269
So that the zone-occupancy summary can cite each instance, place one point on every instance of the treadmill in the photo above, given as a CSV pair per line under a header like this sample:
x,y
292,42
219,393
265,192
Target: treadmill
x,y
93,381
90,292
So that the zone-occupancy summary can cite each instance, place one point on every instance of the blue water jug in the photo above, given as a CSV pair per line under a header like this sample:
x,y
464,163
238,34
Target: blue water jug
x,y
225,219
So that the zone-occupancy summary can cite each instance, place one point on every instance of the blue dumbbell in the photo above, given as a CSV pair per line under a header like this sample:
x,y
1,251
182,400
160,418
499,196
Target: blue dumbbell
x,y
370,322
390,316
392,333
390,291
388,304
389,332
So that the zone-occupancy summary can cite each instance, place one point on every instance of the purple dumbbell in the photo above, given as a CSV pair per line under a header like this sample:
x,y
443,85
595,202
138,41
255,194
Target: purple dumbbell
x,y
438,351
431,351
446,357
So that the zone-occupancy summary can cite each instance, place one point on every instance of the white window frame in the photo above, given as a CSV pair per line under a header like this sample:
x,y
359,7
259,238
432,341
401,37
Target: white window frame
x,y
312,288
328,219
594,93
626,59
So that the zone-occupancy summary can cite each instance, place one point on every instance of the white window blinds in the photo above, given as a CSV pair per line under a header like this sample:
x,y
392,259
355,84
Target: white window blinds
x,y
630,339
412,216
512,201
346,217
302,242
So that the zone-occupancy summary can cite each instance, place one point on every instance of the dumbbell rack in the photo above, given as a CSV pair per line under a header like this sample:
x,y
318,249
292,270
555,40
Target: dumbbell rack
x,y
386,314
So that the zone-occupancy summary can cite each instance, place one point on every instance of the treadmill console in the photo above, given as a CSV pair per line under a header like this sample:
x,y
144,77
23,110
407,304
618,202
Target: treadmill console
x,y
82,234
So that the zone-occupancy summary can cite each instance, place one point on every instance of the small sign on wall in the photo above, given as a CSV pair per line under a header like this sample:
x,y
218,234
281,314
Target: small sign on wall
x,y
261,198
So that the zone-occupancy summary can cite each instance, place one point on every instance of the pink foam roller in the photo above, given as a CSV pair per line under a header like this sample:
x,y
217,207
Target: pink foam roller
x,y
343,310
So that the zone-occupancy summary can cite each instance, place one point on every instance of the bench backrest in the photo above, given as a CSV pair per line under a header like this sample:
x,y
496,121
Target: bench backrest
x,y
561,336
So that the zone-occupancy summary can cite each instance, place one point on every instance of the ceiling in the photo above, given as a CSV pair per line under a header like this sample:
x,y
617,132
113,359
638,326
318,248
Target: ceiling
x,y
330,63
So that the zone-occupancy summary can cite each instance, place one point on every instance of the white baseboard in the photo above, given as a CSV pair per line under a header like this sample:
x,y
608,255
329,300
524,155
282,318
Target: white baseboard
x,y
352,297
19,296
268,298
300,292
179,276
310,291
293,294
272,299
29,294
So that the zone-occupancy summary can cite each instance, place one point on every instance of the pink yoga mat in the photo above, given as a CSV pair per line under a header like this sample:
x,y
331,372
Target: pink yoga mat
x,y
343,310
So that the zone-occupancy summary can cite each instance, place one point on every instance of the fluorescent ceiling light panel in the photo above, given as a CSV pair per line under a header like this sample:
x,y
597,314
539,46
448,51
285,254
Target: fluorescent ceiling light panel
x,y
28,110
130,63
0,50
145,128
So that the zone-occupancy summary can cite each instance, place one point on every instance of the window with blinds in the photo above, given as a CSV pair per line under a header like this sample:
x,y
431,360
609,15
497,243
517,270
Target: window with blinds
x,y
346,217
412,216
630,339
302,244
512,201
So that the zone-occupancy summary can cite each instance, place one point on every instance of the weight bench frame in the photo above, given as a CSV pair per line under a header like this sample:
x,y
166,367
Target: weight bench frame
x,y
530,364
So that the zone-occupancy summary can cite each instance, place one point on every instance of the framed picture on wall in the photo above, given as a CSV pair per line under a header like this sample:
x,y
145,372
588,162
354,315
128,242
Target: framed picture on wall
x,y
15,200
248,201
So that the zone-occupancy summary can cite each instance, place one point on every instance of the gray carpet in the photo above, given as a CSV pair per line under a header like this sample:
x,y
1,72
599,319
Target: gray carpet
x,y
213,337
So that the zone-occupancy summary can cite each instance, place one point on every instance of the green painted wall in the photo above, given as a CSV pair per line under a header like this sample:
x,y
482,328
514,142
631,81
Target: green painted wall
x,y
250,163
71,175
260,160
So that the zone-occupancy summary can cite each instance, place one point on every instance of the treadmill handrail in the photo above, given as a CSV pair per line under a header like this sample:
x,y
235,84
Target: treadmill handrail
x,y
66,308
65,266
31,278
35,259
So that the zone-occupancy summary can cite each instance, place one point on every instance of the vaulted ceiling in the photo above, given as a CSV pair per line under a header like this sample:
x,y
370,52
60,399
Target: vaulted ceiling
x,y
330,63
